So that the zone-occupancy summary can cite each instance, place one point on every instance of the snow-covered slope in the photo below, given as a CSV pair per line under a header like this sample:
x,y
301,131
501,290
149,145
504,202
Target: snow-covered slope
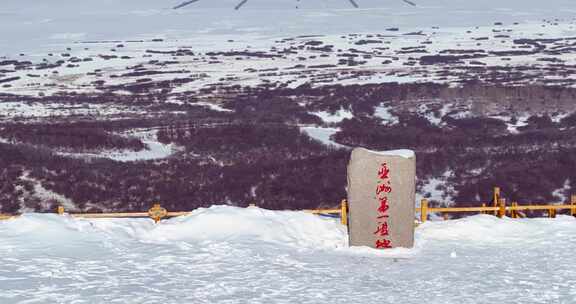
x,y
233,255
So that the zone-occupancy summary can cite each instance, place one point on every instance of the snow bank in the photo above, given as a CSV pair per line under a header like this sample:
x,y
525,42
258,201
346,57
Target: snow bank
x,y
489,229
232,255
222,223
218,224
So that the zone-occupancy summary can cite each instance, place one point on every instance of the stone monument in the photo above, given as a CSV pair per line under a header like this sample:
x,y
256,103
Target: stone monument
x,y
381,197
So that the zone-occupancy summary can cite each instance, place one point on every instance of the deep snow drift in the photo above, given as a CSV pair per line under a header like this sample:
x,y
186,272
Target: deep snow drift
x,y
234,255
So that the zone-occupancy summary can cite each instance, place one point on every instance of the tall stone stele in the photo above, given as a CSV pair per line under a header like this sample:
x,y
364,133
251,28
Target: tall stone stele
x,y
381,196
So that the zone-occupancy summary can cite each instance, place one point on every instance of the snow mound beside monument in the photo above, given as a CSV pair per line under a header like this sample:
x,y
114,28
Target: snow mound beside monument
x,y
214,224
224,223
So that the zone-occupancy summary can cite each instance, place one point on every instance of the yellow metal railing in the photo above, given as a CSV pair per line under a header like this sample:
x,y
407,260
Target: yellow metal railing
x,y
497,207
158,213
5,217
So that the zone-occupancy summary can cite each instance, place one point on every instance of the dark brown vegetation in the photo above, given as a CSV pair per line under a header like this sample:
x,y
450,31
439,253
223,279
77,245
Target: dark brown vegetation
x,y
77,136
256,154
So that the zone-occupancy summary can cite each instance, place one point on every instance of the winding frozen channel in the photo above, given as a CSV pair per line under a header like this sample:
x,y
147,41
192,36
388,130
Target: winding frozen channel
x,y
154,149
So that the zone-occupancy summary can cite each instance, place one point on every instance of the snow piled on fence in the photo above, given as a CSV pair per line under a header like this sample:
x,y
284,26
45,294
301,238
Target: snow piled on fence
x,y
234,255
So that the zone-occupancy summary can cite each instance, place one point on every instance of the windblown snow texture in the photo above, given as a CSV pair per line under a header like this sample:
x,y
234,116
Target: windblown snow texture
x,y
233,255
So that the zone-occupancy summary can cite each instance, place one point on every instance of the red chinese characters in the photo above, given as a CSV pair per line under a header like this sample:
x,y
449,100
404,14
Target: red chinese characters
x,y
383,188
383,172
384,206
382,229
383,244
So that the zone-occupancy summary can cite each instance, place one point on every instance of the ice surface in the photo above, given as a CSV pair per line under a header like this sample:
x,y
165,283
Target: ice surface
x,y
35,24
154,149
234,255
322,135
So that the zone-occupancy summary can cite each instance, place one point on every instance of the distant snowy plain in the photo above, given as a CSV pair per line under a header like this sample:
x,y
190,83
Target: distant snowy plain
x,y
233,255
35,26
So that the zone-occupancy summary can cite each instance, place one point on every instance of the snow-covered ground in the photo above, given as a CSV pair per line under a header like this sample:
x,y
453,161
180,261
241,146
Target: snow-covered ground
x,y
98,42
234,255
323,135
154,149
335,117
385,113
10,111
438,189
40,24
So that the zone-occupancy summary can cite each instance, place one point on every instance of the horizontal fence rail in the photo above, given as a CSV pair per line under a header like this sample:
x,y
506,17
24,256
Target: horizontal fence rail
x,y
496,207
158,213
5,217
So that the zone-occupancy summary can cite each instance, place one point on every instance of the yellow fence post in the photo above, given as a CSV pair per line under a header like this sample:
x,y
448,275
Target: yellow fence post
x,y
514,211
496,199
344,212
157,213
502,208
423,210
60,210
552,213
573,205
483,206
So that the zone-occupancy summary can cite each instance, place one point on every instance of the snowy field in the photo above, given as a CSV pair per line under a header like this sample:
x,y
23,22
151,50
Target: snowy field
x,y
95,46
232,255
33,25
